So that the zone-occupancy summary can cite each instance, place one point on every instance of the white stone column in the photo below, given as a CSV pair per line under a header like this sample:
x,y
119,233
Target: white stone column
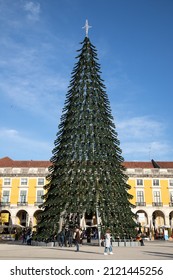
x,y
167,221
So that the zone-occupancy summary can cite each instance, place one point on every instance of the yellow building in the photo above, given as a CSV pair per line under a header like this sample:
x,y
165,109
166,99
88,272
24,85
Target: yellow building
x,y
152,189
21,189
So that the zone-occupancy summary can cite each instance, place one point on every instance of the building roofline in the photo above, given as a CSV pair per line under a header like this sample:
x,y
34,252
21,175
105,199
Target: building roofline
x,y
7,162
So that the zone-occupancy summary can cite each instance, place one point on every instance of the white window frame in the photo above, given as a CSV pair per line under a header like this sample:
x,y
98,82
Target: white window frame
x,y
139,196
171,196
139,182
6,190
39,179
155,197
41,200
24,181
154,183
6,181
20,200
170,182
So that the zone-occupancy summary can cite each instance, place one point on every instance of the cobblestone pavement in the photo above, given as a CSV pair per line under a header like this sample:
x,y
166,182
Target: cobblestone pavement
x,y
153,250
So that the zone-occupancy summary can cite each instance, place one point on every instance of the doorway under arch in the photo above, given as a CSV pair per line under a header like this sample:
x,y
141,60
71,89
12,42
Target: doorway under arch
x,y
23,218
158,218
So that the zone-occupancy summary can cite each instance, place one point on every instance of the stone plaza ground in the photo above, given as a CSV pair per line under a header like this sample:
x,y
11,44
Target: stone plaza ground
x,y
153,250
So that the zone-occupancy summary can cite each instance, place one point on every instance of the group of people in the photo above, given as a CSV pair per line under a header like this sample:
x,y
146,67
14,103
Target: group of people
x,y
107,241
27,236
68,237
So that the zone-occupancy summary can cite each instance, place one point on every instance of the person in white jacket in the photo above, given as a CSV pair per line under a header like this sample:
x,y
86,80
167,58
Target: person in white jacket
x,y
108,245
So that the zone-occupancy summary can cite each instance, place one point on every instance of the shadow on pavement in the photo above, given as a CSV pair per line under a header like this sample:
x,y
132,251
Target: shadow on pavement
x,y
166,255
62,249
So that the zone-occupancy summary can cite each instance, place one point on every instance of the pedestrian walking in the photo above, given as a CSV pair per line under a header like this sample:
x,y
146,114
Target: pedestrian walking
x,y
29,237
24,236
69,237
77,239
62,238
108,243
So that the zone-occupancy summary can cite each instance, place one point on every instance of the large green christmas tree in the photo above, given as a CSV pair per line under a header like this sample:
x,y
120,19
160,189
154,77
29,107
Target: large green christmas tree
x,y
87,166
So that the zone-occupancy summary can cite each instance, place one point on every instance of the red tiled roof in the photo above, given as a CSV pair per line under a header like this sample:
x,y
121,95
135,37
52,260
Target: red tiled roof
x,y
165,164
138,164
8,162
148,164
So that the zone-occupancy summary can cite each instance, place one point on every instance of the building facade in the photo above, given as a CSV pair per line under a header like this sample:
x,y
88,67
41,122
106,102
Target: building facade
x,y
152,189
21,190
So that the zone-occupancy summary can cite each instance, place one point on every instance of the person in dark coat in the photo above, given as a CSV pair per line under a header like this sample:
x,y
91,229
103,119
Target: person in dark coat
x,y
62,238
70,237
77,239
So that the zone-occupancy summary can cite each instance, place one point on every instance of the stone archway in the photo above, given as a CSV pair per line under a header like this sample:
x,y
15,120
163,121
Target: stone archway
x,y
36,217
5,222
171,219
5,217
158,218
142,217
23,218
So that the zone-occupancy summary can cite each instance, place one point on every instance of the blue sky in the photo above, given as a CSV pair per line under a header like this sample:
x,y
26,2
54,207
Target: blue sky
x,y
38,44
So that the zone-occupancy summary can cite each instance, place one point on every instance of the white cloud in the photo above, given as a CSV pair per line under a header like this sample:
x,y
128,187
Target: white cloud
x,y
145,151
13,140
33,10
143,138
37,94
9,133
140,128
36,87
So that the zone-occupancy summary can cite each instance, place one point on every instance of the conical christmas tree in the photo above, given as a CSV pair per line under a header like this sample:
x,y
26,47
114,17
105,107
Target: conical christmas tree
x,y
87,167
